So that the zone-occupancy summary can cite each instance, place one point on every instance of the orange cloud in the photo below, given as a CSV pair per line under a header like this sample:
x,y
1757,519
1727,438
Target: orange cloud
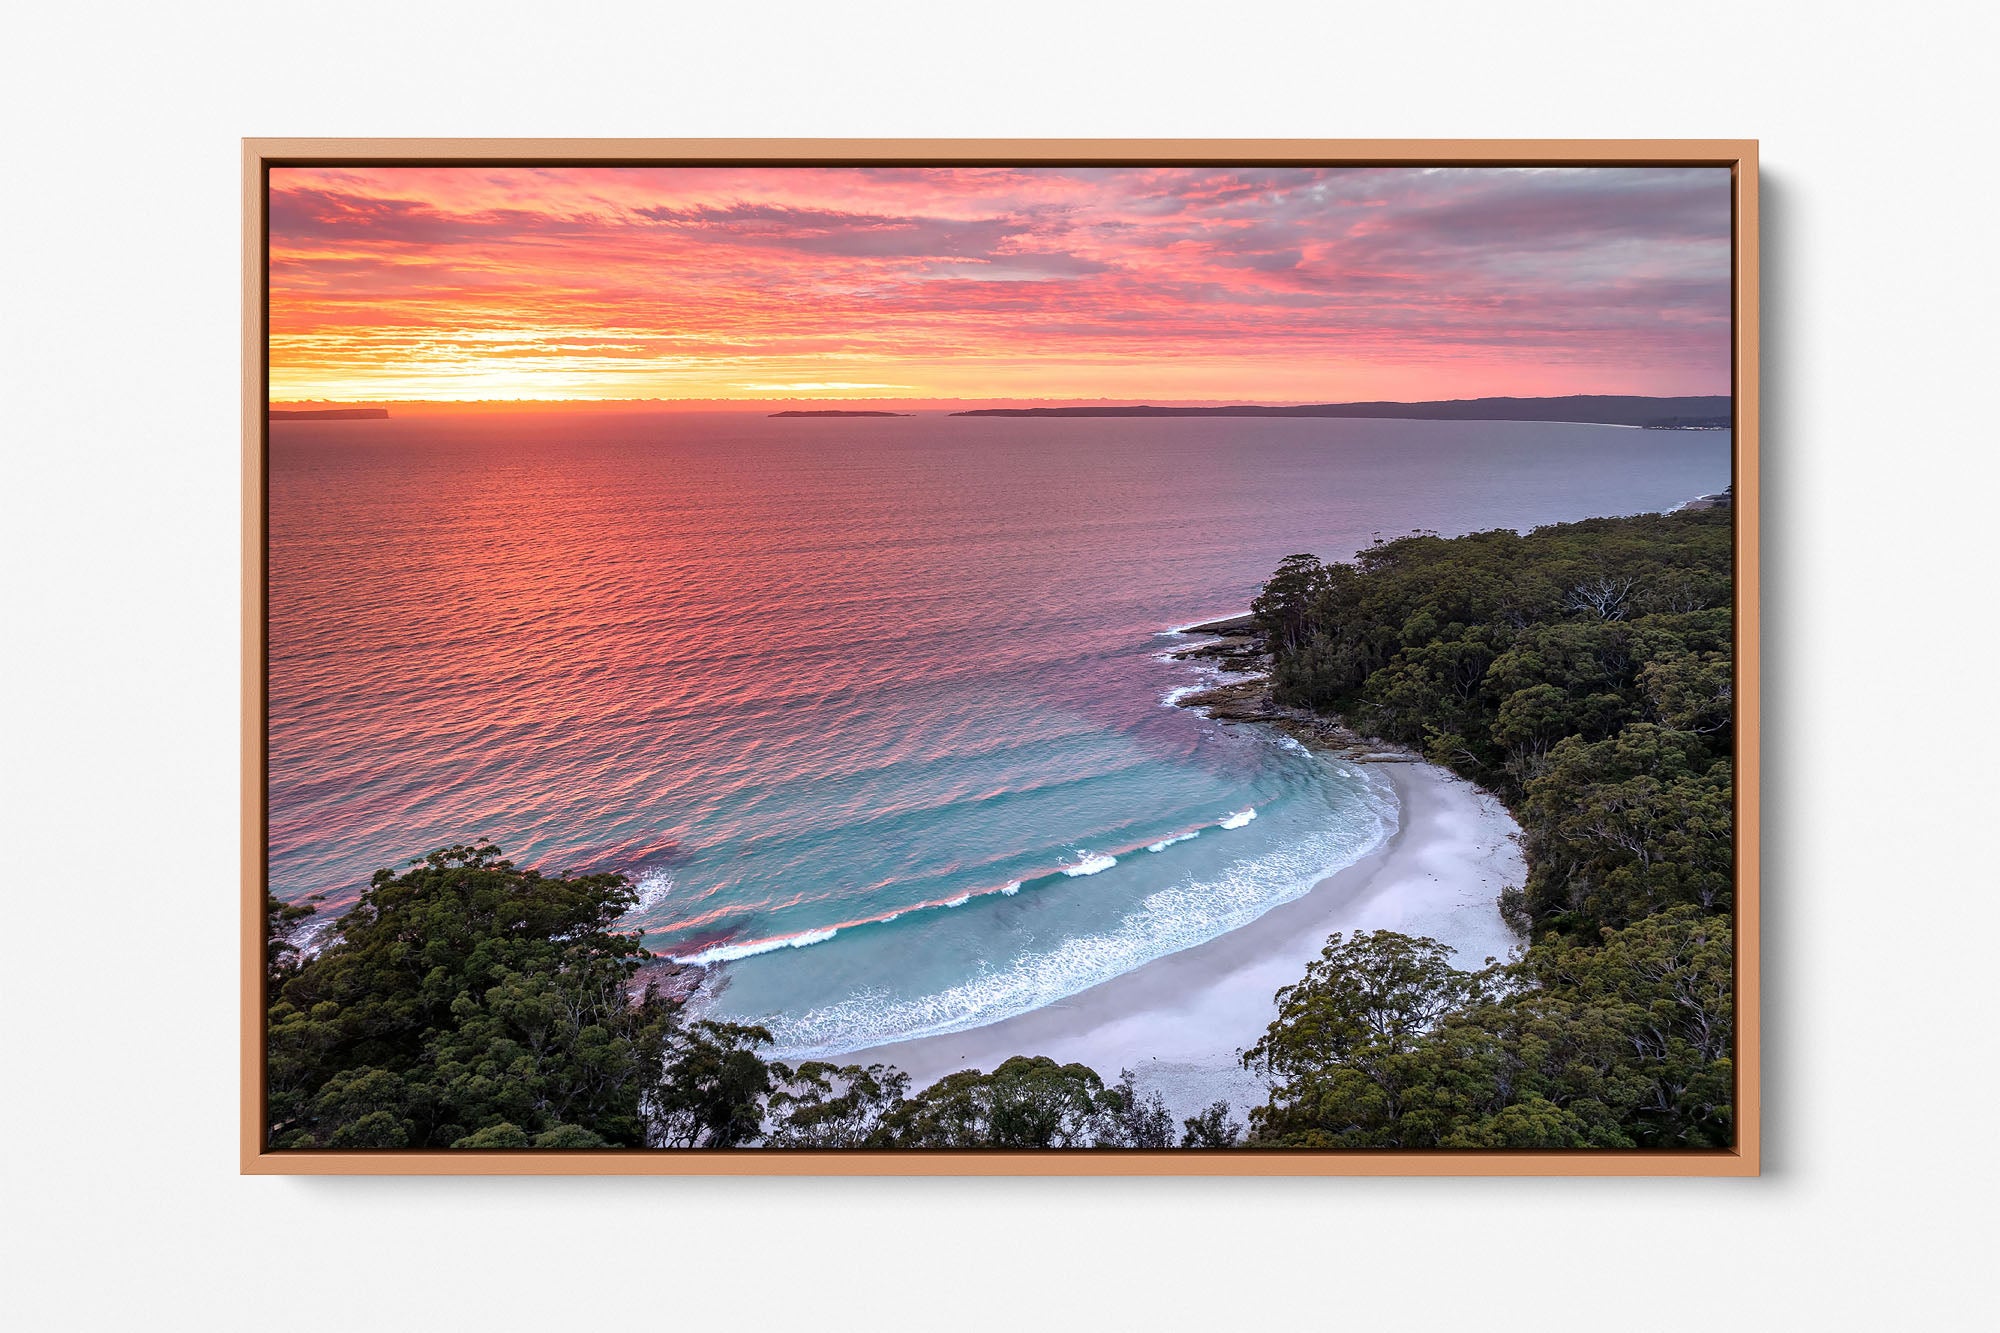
x,y
1144,283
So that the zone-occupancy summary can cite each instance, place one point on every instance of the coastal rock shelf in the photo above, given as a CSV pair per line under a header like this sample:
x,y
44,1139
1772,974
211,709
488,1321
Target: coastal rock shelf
x,y
1239,648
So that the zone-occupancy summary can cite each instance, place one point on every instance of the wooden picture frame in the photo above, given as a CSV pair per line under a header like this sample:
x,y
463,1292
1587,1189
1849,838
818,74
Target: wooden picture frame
x,y
260,156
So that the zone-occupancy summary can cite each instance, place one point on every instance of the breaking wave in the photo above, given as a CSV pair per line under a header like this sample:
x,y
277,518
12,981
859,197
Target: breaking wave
x,y
653,886
723,953
1166,921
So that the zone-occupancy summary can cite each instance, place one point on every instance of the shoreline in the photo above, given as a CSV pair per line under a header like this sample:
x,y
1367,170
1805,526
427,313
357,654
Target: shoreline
x,y
1180,1021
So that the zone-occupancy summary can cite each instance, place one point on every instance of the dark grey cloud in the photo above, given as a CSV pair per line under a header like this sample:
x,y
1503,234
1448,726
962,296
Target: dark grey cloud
x,y
821,231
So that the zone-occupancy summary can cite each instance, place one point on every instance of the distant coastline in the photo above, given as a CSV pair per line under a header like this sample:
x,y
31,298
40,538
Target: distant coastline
x,y
829,412
1722,499
331,414
1581,409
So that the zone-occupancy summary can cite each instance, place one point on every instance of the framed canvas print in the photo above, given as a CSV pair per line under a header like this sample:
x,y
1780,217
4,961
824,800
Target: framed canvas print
x,y
983,657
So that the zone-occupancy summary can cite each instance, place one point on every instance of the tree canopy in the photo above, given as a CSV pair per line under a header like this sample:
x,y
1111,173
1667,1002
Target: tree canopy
x,y
468,1003
1584,672
1626,1044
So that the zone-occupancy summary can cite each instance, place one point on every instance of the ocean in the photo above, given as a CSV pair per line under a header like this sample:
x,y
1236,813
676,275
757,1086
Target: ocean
x,y
876,712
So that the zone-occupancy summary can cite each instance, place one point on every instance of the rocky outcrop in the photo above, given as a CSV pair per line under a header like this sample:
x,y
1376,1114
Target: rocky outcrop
x,y
1238,648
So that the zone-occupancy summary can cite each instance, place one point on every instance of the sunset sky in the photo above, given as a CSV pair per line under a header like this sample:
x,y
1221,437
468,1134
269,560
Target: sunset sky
x,y
1140,284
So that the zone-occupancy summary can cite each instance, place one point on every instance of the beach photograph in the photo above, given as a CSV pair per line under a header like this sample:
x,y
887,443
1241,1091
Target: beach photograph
x,y
1056,660
1122,667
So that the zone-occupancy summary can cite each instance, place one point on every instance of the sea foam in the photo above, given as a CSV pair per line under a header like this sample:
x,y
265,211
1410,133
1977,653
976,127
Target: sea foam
x,y
653,886
729,953
1168,920
313,935
1239,819
1093,863
725,953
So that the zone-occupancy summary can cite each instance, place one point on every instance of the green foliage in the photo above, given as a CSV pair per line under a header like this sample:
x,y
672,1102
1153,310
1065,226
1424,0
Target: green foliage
x,y
1134,1121
1364,997
466,1001
469,1004
509,1135
1028,1102
1491,652
1627,1044
1211,1129
1619,829
1025,1103
1665,987
819,1105
502,1135
1585,673
567,1136
1352,1044
1283,607
711,1092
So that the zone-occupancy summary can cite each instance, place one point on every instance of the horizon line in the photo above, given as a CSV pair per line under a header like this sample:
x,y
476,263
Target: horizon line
x,y
1119,400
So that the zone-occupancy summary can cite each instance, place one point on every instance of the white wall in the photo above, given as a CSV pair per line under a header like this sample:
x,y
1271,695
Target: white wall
x,y
118,898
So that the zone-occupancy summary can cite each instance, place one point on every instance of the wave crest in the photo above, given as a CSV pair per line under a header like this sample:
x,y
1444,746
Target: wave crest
x,y
723,953
1166,921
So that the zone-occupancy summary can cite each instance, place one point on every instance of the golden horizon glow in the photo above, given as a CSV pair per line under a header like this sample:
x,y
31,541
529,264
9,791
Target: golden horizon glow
x,y
756,285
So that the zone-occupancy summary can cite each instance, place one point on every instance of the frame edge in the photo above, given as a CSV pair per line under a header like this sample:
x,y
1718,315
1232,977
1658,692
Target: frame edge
x,y
1749,740
1739,155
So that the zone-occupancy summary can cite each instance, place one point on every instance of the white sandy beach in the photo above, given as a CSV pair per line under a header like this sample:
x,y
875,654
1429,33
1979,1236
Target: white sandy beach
x,y
1180,1021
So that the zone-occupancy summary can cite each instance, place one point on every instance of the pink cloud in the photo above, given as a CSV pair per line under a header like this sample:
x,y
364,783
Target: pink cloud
x,y
1282,283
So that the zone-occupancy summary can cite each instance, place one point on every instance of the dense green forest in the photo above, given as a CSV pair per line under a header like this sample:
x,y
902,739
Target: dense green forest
x,y
468,1003
1583,672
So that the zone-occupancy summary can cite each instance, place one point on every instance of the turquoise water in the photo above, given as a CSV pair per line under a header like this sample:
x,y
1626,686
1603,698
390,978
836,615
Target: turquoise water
x,y
872,709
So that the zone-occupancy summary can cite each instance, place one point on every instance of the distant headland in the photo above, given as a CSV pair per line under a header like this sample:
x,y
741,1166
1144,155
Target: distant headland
x,y
331,414
834,412
1583,409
